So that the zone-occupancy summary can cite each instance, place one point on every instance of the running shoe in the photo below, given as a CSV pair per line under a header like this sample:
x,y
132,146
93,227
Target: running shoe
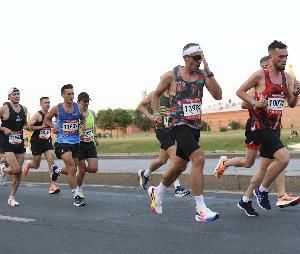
x,y
143,179
220,168
156,200
205,215
12,202
81,193
26,169
181,192
262,199
79,201
287,200
54,189
55,172
247,207
2,175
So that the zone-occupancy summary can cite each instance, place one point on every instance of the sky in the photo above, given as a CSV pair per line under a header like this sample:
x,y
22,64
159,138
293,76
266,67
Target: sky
x,y
114,50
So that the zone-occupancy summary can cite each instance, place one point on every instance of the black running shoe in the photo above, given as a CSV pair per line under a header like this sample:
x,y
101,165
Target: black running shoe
x,y
79,201
262,199
143,179
181,192
247,207
54,174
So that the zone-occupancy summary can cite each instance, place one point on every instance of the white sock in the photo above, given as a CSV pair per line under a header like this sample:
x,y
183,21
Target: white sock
x,y
176,183
74,192
200,201
262,188
245,199
161,189
147,172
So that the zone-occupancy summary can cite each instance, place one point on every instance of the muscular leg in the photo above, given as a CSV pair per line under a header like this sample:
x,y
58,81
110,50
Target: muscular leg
x,y
280,184
246,162
70,168
92,167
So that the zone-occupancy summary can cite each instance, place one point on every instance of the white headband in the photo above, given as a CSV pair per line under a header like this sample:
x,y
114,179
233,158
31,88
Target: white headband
x,y
12,89
192,50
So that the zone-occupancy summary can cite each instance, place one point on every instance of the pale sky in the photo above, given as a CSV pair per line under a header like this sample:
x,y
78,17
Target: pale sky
x,y
116,49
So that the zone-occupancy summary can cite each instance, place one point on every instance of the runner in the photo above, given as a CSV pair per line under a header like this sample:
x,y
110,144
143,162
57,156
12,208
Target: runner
x,y
272,86
68,115
88,139
167,143
13,116
185,87
41,143
252,147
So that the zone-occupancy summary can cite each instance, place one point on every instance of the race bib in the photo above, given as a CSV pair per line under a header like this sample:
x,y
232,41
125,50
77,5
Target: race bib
x,y
70,126
276,104
191,109
166,121
15,138
45,134
88,134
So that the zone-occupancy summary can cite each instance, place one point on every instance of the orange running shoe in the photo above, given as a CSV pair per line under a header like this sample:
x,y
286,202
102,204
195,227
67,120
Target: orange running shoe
x,y
54,189
26,169
287,200
220,168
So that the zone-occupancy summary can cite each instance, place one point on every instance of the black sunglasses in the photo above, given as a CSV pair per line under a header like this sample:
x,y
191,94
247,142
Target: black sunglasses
x,y
196,58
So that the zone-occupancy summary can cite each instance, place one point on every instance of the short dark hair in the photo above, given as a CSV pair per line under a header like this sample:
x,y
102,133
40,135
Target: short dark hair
x,y
44,98
189,45
276,45
264,59
64,87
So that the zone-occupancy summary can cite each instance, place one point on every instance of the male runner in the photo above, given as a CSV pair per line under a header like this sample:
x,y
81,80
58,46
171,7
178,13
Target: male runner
x,y
185,86
167,142
68,115
88,149
41,143
272,86
13,116
252,147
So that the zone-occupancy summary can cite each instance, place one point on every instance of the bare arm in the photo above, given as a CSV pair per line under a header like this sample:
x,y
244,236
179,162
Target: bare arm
x,y
142,107
48,118
293,90
34,119
4,110
246,105
25,127
95,127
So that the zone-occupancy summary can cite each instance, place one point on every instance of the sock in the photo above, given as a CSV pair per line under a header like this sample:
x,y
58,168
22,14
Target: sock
x,y
245,199
79,188
57,170
176,183
263,189
200,201
161,189
147,172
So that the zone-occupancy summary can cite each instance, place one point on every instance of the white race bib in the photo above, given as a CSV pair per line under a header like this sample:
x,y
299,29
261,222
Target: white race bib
x,y
166,121
88,134
45,134
191,109
15,138
275,104
70,126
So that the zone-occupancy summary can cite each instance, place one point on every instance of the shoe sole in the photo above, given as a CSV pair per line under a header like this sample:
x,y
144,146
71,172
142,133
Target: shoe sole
x,y
250,215
54,192
181,195
141,180
257,201
153,206
77,205
206,221
292,203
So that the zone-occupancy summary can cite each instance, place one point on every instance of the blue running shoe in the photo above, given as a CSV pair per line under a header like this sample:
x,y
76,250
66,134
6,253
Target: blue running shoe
x,y
262,199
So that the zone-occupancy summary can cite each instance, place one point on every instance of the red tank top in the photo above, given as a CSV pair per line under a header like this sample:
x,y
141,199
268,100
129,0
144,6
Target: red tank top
x,y
270,117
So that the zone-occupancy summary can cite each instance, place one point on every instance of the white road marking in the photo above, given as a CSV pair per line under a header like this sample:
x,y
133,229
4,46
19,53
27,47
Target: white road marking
x,y
18,219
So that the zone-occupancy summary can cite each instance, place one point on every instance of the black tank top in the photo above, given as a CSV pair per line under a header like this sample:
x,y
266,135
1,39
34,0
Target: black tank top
x,y
43,135
15,123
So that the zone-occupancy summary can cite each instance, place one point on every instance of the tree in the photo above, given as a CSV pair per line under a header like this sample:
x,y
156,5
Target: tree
x,y
122,118
204,126
105,119
141,121
234,125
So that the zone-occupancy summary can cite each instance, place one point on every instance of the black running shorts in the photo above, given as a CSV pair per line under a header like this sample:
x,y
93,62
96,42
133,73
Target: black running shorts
x,y
165,138
187,139
251,142
270,142
61,148
87,150
38,147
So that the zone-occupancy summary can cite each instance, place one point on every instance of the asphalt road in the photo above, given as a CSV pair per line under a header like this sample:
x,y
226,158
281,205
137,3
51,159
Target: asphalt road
x,y
118,220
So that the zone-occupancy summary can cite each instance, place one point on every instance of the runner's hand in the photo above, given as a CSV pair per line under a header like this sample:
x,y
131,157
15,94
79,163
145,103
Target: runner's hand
x,y
261,103
7,131
205,68
296,87
55,129
157,119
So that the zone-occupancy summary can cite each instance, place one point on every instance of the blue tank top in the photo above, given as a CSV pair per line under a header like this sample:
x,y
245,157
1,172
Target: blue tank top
x,y
68,125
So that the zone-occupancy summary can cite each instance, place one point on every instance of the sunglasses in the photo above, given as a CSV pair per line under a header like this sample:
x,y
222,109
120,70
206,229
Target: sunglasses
x,y
196,58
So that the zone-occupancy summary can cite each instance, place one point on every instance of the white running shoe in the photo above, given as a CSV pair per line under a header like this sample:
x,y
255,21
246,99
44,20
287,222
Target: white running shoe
x,y
12,202
80,193
156,200
205,214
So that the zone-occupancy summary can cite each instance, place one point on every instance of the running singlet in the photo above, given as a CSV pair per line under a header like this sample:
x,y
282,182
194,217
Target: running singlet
x,y
15,123
43,135
270,117
185,106
68,125
88,134
164,110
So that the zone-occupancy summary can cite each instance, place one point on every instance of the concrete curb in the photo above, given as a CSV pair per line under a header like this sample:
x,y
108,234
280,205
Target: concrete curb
x,y
226,182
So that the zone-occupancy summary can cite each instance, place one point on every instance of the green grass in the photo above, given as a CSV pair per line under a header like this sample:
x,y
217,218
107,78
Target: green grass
x,y
209,141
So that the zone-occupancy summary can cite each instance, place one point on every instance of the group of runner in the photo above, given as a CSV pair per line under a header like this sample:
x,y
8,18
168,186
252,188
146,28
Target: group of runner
x,y
74,127
176,113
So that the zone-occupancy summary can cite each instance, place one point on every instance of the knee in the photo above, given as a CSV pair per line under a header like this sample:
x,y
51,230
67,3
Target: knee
x,y
285,160
199,159
93,170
